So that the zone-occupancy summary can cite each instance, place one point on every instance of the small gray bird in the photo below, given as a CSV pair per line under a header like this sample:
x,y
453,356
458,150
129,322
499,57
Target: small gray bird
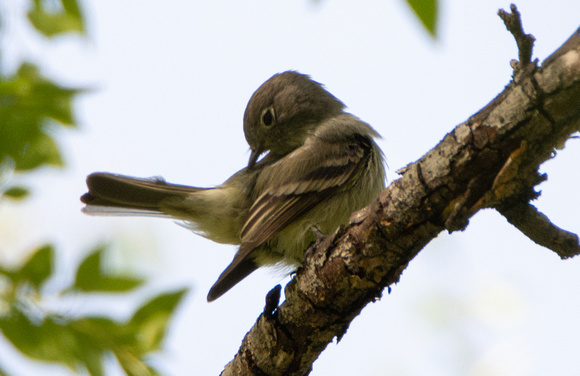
x,y
322,164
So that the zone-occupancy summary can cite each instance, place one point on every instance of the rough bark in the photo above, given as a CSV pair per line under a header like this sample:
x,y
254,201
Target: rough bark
x,y
489,161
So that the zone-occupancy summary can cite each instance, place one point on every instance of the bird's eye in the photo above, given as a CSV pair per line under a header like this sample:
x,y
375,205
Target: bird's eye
x,y
268,117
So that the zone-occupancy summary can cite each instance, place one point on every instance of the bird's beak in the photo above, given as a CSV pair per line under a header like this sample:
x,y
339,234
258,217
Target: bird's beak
x,y
254,157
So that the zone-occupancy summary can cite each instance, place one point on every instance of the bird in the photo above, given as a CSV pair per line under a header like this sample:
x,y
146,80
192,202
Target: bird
x,y
321,163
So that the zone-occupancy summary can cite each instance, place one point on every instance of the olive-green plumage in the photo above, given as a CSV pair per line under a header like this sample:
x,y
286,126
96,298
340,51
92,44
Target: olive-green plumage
x,y
322,164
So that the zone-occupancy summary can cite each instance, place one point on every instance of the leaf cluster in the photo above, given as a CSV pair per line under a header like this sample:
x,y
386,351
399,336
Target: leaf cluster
x,y
81,343
33,108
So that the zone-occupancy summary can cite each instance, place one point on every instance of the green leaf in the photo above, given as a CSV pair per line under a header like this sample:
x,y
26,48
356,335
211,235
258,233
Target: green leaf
x,y
151,320
114,337
58,340
8,273
90,276
82,344
16,192
427,12
91,358
72,8
103,330
134,366
96,335
67,19
38,268
30,106
47,340
39,151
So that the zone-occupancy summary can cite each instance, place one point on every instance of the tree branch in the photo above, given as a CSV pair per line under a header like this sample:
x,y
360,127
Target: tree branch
x,y
537,226
525,42
490,161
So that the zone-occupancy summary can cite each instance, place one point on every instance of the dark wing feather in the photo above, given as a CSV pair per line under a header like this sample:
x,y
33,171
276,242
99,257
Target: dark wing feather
x,y
292,195
239,269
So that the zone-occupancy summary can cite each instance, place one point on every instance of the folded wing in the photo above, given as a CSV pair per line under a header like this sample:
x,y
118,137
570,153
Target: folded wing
x,y
295,185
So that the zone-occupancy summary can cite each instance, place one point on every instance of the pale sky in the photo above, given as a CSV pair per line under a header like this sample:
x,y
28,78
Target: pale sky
x,y
170,83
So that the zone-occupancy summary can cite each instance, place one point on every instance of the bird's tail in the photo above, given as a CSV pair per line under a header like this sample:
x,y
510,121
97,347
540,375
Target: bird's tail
x,y
111,194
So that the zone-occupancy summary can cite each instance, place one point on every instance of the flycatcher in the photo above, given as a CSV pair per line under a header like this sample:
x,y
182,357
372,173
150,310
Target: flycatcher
x,y
321,165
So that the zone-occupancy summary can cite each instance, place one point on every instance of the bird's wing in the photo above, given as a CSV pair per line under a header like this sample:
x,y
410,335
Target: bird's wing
x,y
303,180
295,184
